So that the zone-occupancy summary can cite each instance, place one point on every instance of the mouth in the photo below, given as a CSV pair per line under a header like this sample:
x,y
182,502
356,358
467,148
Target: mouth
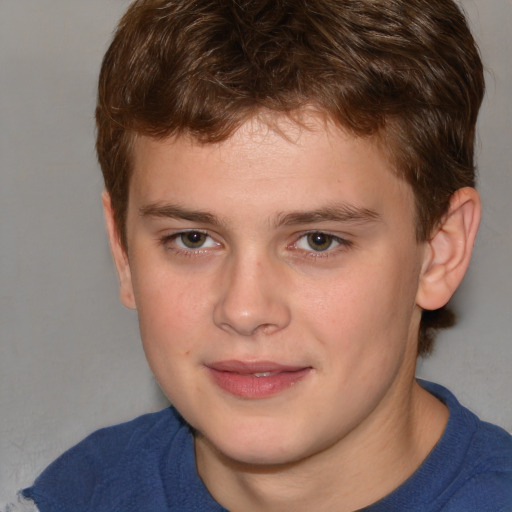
x,y
256,380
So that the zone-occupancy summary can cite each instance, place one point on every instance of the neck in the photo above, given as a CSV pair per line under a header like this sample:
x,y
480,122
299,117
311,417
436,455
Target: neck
x,y
358,470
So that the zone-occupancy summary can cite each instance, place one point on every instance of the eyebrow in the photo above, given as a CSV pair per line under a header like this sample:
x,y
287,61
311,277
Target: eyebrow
x,y
174,211
335,213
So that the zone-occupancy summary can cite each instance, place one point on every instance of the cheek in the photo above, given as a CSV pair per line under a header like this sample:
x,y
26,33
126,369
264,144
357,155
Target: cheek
x,y
351,304
369,310
172,323
172,310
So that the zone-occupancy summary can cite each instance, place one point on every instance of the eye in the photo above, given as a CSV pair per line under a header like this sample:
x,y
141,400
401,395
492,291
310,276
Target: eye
x,y
191,240
319,241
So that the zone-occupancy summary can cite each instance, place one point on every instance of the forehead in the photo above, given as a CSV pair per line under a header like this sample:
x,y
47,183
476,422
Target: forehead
x,y
274,162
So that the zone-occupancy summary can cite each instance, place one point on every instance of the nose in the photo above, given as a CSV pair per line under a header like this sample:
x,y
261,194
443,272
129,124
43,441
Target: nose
x,y
252,298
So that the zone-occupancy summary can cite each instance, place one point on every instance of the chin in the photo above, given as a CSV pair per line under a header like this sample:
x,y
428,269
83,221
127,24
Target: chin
x,y
260,449
257,459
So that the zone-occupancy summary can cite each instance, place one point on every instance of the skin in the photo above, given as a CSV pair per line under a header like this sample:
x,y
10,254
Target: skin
x,y
255,288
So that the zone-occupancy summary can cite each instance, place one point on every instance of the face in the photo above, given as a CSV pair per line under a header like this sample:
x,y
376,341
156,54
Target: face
x,y
275,277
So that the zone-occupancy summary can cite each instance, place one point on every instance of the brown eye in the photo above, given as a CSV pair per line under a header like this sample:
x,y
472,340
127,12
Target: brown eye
x,y
319,241
193,239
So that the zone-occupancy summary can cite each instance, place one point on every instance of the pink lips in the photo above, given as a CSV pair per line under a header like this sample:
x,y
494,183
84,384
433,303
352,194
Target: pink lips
x,y
259,379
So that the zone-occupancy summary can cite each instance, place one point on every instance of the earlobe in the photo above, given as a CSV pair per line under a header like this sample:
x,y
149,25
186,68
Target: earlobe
x,y
448,252
119,255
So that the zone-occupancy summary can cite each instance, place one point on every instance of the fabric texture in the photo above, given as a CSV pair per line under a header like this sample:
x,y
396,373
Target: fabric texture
x,y
148,465
469,470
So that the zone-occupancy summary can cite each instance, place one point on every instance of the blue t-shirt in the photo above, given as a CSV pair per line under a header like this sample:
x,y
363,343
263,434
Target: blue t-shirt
x,y
148,465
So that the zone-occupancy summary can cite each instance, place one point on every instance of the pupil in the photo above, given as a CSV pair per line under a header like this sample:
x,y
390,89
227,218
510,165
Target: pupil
x,y
193,239
319,241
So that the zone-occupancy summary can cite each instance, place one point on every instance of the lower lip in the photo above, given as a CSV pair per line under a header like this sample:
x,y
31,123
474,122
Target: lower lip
x,y
250,386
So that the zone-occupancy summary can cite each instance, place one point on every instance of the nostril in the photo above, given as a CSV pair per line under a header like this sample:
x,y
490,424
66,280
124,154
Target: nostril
x,y
263,318
248,300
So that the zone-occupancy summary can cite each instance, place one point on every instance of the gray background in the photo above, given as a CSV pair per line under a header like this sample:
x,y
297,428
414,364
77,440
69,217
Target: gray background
x,y
70,359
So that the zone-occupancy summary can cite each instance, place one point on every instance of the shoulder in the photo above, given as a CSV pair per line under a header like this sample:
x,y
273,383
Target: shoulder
x,y
476,458
482,444
111,463
469,469
105,447
486,481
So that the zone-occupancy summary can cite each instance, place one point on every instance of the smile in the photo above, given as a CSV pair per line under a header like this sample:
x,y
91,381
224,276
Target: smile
x,y
255,380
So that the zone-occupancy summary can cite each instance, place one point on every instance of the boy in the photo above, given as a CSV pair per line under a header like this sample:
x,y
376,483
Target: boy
x,y
290,205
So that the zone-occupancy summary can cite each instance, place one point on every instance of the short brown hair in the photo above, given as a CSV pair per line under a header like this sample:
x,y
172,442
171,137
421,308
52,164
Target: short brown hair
x,y
407,71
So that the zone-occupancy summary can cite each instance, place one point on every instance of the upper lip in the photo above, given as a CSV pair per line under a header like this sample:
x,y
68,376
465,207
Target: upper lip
x,y
243,367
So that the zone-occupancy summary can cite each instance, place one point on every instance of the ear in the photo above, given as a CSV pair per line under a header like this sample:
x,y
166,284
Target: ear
x,y
448,252
119,254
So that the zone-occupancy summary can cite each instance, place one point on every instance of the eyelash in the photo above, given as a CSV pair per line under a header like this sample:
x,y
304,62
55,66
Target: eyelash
x,y
169,242
342,245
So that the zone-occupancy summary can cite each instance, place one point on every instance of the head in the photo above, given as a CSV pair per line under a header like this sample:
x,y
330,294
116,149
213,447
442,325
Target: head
x,y
405,74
